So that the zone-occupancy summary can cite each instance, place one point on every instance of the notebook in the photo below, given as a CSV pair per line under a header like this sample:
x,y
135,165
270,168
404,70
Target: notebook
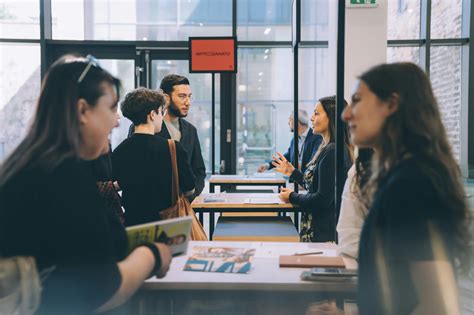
x,y
311,261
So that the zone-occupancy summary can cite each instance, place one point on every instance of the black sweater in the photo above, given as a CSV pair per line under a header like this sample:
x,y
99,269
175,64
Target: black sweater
x,y
320,199
59,218
405,220
142,166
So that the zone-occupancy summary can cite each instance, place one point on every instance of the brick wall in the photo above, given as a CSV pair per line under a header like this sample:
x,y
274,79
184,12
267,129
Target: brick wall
x,y
445,61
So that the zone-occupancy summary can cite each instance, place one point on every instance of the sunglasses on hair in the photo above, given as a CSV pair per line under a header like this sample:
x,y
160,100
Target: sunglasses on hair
x,y
92,61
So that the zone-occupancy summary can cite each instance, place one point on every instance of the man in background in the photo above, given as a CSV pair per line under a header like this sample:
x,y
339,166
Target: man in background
x,y
308,143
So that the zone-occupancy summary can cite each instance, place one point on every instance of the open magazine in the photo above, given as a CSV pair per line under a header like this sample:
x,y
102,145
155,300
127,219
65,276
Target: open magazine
x,y
220,259
173,232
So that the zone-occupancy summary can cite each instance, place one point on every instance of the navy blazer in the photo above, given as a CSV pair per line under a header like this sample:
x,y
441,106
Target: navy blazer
x,y
190,142
310,147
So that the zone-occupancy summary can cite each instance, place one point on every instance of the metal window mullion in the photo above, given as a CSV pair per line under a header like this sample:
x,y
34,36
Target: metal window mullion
x,y
425,34
467,90
45,34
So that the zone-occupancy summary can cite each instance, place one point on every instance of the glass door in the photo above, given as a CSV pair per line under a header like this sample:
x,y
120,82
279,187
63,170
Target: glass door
x,y
200,113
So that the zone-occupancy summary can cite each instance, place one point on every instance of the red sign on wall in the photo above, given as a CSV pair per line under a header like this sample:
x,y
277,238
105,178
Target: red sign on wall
x,y
212,54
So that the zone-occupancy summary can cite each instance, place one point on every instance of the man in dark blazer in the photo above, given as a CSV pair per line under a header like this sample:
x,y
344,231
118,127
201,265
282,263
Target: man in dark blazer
x,y
177,92
308,143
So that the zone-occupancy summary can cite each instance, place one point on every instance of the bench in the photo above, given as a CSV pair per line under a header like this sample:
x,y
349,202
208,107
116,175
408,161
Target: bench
x,y
262,229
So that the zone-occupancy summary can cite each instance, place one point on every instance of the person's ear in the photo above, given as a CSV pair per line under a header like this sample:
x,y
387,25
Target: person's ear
x,y
393,102
152,115
82,109
167,98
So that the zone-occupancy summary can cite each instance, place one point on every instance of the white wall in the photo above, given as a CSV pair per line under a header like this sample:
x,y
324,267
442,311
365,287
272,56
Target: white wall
x,y
366,42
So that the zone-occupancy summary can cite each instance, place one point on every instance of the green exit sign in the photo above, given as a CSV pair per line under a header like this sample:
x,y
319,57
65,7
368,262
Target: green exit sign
x,y
361,3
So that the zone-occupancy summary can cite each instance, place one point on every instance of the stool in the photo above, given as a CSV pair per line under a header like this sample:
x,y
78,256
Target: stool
x,y
263,229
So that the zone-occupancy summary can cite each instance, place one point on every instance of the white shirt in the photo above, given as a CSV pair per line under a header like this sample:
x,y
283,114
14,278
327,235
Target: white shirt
x,y
173,129
351,218
301,140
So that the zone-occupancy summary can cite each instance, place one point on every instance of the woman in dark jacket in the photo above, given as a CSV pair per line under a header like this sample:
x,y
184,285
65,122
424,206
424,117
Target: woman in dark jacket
x,y
318,223
416,233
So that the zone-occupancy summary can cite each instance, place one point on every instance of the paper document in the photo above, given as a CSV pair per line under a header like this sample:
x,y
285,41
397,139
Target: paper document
x,y
264,200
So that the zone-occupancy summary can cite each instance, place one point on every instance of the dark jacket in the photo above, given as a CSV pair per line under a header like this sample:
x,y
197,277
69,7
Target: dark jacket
x,y
310,147
190,142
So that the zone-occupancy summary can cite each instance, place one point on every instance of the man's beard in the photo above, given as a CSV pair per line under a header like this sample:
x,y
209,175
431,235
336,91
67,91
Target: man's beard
x,y
174,110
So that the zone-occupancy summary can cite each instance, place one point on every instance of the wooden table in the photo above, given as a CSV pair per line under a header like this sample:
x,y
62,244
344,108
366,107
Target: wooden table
x,y
235,202
266,289
245,180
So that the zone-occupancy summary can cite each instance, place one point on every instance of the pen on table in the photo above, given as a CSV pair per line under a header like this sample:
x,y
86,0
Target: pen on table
x,y
304,254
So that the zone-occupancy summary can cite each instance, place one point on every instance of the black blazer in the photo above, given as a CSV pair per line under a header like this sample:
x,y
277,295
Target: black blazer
x,y
320,199
310,147
190,142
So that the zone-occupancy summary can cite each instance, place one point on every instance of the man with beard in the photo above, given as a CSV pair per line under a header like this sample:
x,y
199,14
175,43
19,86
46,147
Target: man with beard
x,y
177,92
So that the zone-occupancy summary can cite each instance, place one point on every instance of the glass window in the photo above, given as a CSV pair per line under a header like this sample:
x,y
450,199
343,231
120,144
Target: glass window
x,y
314,20
141,19
124,70
264,103
314,77
403,54
200,114
264,20
445,75
19,19
20,81
446,16
403,20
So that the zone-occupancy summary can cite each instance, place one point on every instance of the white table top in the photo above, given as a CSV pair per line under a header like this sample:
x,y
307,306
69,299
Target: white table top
x,y
265,273
247,179
238,200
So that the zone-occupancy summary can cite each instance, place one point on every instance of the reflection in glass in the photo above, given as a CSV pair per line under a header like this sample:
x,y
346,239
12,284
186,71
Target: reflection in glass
x,y
200,114
403,19
124,70
19,90
314,20
445,75
264,103
141,19
19,19
446,16
403,54
264,20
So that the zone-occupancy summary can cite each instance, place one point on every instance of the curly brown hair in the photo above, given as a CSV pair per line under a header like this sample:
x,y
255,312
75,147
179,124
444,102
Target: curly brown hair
x,y
139,103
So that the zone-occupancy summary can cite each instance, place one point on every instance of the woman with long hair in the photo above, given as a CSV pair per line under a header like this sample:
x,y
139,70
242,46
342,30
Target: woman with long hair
x,y
318,223
416,232
51,208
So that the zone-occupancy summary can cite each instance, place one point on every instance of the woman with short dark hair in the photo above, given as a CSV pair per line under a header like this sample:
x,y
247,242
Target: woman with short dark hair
x,y
50,207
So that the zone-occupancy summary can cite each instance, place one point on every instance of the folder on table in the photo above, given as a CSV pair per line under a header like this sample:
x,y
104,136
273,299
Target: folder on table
x,y
311,261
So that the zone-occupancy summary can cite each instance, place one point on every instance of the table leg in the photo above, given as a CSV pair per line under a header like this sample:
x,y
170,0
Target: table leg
x,y
211,224
201,217
297,220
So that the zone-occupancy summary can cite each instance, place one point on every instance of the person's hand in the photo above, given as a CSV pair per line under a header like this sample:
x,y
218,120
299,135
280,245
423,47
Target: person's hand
x,y
282,165
285,194
262,168
165,254
324,307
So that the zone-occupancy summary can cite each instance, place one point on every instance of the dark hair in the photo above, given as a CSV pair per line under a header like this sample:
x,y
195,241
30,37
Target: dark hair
x,y
416,129
329,105
363,164
169,81
139,103
54,134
